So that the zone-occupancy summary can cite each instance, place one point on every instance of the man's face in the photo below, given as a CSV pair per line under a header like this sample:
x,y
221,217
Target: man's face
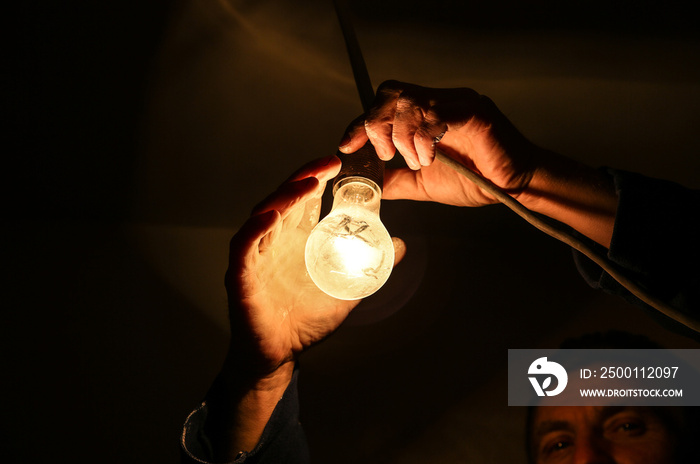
x,y
587,434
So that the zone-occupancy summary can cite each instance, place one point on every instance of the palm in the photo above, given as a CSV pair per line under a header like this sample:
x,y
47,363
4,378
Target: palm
x,y
440,183
295,313
276,310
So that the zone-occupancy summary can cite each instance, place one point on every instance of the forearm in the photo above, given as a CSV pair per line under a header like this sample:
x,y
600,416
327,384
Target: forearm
x,y
240,408
655,240
575,194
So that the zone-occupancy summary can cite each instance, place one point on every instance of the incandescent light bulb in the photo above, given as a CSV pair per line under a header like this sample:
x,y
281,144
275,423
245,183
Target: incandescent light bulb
x,y
349,254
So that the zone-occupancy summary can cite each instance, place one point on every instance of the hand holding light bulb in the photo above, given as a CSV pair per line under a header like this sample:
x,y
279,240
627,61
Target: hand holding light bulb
x,y
468,128
270,294
276,311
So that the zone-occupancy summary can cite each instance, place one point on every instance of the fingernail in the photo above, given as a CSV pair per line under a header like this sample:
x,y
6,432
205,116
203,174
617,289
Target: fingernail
x,y
385,154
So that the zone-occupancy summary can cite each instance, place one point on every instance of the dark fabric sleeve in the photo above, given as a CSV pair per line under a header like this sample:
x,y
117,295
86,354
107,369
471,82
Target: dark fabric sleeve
x,y
656,239
282,442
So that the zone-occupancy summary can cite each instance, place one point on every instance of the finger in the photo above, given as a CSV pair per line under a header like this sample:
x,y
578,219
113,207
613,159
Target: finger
x,y
454,109
311,215
407,119
289,195
290,202
403,184
296,215
299,198
355,136
243,248
428,135
399,249
380,119
271,237
323,169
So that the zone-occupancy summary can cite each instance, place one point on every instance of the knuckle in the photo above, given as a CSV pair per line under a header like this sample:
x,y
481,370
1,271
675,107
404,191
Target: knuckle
x,y
373,116
432,117
389,85
423,132
369,127
407,102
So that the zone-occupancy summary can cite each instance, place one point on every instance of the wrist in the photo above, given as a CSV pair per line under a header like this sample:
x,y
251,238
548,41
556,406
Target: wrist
x,y
536,180
244,376
573,193
240,407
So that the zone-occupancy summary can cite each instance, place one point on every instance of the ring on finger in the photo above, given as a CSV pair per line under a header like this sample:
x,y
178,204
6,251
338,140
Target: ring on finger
x,y
439,137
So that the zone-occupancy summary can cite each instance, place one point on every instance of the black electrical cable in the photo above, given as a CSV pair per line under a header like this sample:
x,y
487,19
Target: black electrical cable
x,y
365,89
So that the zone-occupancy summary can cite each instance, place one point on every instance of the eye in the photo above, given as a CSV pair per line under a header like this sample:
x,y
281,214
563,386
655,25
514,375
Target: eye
x,y
554,445
630,426
558,446
623,427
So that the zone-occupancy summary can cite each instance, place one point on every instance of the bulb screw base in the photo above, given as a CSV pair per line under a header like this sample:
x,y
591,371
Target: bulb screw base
x,y
363,163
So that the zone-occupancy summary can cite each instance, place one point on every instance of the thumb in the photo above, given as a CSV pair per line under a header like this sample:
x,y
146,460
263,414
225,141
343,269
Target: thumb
x,y
355,136
399,249
403,184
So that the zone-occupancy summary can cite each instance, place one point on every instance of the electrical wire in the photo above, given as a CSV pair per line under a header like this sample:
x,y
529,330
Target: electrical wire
x,y
365,89
573,241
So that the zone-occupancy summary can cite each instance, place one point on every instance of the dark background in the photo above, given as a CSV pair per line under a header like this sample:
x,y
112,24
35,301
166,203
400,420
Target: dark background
x,y
140,134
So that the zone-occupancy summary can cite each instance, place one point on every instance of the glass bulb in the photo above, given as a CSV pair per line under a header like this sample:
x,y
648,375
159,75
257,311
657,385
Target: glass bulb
x,y
349,254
